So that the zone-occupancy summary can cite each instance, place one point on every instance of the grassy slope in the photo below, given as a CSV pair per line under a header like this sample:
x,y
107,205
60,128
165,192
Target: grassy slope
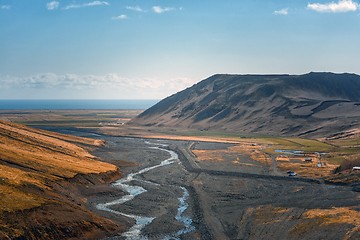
x,y
30,161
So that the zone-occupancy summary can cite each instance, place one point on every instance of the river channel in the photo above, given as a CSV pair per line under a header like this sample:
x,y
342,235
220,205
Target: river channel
x,y
128,185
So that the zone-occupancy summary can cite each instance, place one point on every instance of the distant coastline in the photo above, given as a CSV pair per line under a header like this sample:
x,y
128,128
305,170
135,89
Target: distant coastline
x,y
76,104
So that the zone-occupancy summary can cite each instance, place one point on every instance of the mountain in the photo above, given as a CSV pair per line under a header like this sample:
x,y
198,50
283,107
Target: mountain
x,y
42,175
313,104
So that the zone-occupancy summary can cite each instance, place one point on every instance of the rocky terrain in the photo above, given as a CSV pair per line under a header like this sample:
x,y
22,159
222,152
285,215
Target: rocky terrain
x,y
236,191
309,105
43,178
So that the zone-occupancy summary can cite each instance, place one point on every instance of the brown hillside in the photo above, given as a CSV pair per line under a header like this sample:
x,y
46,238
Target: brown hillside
x,y
38,190
314,104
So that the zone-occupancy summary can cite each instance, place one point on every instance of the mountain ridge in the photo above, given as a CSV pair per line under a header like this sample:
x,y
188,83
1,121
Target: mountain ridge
x,y
312,104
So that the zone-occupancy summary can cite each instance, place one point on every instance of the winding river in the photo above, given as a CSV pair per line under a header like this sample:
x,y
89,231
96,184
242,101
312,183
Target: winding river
x,y
141,221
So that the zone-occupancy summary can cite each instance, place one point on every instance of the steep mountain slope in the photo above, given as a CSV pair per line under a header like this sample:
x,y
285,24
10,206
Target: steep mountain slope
x,y
41,177
314,104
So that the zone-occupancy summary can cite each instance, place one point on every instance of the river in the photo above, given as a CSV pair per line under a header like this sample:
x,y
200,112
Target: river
x,y
133,190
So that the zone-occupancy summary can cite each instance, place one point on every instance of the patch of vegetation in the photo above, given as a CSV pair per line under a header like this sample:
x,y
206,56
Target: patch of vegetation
x,y
68,118
348,164
301,144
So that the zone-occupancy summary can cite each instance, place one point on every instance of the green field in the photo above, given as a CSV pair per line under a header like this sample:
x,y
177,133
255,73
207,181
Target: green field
x,y
69,118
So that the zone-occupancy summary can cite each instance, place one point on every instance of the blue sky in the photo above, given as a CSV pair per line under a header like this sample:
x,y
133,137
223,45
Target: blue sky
x,y
133,49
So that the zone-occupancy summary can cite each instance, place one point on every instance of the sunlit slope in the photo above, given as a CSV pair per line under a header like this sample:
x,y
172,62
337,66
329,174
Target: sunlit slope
x,y
29,156
40,174
47,152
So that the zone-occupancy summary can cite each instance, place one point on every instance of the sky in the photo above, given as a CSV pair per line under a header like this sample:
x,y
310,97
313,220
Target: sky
x,y
150,49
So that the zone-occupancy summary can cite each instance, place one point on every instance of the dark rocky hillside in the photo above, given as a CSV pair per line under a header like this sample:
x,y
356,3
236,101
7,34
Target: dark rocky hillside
x,y
314,104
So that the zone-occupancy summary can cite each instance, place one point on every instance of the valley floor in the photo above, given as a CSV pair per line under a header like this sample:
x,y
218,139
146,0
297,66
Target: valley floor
x,y
238,188
231,196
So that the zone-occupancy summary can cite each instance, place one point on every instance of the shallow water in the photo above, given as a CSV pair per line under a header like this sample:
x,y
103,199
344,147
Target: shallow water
x,y
141,221
180,217
293,152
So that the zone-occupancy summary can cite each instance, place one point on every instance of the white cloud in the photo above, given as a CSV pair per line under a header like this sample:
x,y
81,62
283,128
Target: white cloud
x,y
89,4
332,7
284,11
51,85
5,7
52,80
135,8
159,9
97,3
52,5
120,17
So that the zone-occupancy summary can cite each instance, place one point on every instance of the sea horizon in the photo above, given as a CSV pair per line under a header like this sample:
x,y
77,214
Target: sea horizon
x,y
76,104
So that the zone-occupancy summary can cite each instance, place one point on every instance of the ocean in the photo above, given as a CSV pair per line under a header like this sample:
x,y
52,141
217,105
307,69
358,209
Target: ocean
x,y
76,104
